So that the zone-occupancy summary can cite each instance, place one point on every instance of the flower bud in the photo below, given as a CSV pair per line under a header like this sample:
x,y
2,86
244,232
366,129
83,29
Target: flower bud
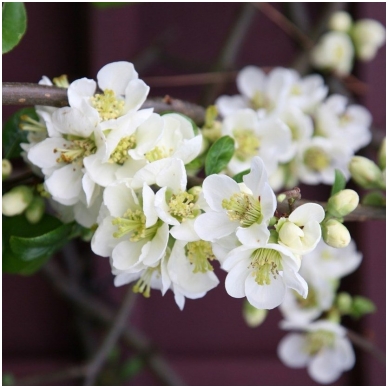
x,y
382,155
366,173
35,210
342,203
335,234
253,317
368,36
340,21
16,200
344,302
7,168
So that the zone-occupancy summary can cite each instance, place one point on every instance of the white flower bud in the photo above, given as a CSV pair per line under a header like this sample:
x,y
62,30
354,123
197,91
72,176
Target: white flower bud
x,y
16,200
340,21
334,52
35,210
253,317
335,234
366,173
7,168
343,203
368,36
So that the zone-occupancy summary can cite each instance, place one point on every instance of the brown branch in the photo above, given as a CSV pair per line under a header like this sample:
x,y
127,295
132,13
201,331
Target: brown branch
x,y
111,338
366,345
95,308
15,93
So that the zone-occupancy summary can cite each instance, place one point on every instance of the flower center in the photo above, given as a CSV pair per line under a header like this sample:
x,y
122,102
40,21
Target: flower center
x,y
259,101
199,253
244,208
316,158
158,153
247,144
265,262
182,206
107,105
120,154
317,340
143,285
77,150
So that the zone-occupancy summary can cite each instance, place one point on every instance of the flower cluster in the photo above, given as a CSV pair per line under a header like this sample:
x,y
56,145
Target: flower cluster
x,y
301,134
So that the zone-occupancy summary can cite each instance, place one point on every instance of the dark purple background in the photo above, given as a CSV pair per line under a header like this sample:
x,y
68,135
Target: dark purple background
x,y
208,343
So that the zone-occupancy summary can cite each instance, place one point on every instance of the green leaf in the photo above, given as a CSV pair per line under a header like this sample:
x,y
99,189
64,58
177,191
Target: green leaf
x,y
8,379
27,247
131,367
239,177
13,135
339,182
219,155
14,25
374,198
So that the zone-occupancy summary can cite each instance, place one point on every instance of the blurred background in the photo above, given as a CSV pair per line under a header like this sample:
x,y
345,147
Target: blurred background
x,y
208,343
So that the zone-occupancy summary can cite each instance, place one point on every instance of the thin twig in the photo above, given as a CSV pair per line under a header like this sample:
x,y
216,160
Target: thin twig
x,y
15,93
366,345
111,338
97,309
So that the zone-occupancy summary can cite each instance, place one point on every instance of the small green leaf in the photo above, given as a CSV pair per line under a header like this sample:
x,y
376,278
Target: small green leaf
x,y
8,379
239,177
13,135
131,367
14,25
27,247
339,182
219,155
374,198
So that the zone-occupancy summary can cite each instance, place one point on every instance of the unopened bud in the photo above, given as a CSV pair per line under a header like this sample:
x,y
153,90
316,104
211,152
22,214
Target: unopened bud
x,y
35,210
340,21
344,302
17,200
366,173
382,155
342,203
7,168
335,234
253,317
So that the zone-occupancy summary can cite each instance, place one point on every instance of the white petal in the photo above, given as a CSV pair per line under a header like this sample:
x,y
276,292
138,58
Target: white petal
x,y
130,168
323,368
116,76
65,184
230,104
254,236
103,241
185,231
295,281
125,278
291,351
213,225
268,202
216,188
307,212
256,179
345,353
235,255
102,173
149,206
267,296
156,248
119,198
89,188
135,94
79,90
250,80
189,149
236,278
125,256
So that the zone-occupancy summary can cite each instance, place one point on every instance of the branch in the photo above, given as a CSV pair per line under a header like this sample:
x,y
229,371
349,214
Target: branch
x,y
366,345
111,338
15,93
94,307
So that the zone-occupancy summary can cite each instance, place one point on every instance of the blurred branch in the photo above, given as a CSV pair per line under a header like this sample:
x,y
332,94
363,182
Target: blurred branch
x,y
115,332
97,309
366,345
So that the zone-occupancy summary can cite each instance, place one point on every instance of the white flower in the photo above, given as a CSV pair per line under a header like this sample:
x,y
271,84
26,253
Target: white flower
x,y
368,36
318,158
332,263
269,139
301,231
343,124
132,234
262,272
247,207
334,51
323,349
